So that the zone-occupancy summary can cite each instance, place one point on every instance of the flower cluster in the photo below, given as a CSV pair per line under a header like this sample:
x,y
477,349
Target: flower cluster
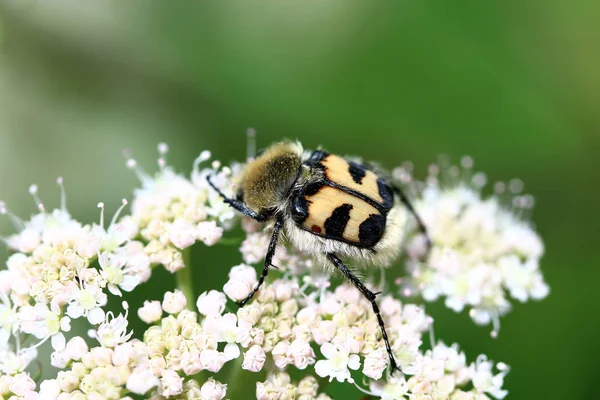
x,y
299,321
279,386
483,250
61,270
173,212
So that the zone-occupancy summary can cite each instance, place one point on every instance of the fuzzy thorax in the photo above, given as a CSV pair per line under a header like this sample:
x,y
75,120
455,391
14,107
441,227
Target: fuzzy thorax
x,y
267,179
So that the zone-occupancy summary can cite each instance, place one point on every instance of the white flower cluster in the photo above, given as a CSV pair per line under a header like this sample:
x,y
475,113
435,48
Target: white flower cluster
x,y
483,250
173,212
279,386
63,270
150,367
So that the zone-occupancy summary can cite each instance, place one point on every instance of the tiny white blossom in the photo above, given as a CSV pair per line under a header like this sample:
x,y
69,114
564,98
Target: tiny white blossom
x,y
113,331
87,300
211,303
338,363
484,379
254,359
171,384
174,301
150,312
208,232
141,381
213,390
182,233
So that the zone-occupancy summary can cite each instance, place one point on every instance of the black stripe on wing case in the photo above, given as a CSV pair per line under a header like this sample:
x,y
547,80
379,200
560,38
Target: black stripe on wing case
x,y
371,230
336,223
357,172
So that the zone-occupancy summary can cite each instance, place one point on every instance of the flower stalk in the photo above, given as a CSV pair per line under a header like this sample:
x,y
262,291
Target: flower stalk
x,y
184,279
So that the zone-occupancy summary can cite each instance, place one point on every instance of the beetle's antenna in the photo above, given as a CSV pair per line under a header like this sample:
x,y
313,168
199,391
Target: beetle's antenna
x,y
251,143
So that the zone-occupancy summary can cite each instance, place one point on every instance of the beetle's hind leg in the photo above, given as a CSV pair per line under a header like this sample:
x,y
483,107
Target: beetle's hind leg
x,y
412,210
369,295
268,260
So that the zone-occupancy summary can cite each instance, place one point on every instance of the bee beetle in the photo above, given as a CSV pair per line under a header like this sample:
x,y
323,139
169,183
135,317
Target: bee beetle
x,y
327,206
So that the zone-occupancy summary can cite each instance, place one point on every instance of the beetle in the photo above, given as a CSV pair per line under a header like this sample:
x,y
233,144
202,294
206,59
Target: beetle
x,y
327,206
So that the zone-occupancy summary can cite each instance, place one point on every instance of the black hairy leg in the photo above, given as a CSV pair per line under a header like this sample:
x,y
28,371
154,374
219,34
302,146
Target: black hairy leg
x,y
369,295
412,210
268,260
238,205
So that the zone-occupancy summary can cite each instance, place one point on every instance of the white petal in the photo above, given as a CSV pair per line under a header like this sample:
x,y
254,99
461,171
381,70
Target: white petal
x,y
58,341
354,362
96,316
329,350
74,310
129,282
114,290
65,324
322,368
103,260
231,351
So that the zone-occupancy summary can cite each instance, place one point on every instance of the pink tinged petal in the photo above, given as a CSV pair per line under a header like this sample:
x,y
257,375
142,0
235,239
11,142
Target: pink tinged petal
x,y
96,316
329,350
231,351
228,321
354,362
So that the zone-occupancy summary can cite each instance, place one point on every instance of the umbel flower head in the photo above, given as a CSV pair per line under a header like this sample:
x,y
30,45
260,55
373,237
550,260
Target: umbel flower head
x,y
484,250
300,333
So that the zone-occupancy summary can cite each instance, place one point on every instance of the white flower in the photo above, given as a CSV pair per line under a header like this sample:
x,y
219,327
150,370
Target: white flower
x,y
212,360
301,353
485,381
394,389
150,312
337,363
374,364
452,358
182,233
141,380
87,300
49,389
208,232
113,331
213,390
113,271
22,384
174,302
171,384
211,303
228,331
254,359
44,323
242,280
481,249
190,362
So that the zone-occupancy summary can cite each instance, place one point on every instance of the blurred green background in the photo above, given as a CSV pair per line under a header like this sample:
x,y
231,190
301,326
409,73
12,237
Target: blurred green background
x,y
514,84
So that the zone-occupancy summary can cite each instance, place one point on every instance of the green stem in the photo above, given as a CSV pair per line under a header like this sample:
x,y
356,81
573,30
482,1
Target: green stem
x,y
184,280
236,387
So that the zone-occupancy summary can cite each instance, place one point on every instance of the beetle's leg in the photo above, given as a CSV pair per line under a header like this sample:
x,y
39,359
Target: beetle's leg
x,y
238,205
369,295
268,259
412,210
